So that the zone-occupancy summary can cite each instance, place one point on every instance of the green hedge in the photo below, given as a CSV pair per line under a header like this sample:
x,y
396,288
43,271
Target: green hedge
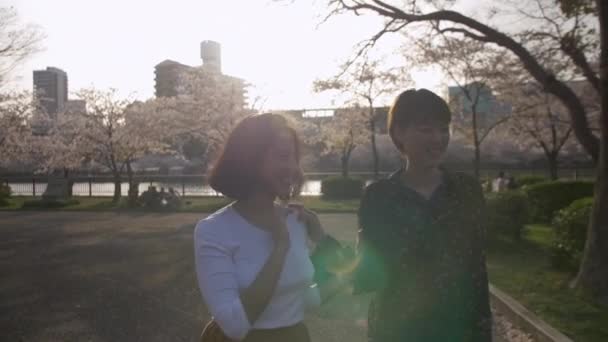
x,y
5,193
48,204
486,185
548,197
570,225
507,213
525,181
341,188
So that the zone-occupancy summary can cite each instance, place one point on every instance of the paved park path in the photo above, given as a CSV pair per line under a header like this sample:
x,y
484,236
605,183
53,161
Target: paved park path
x,y
106,276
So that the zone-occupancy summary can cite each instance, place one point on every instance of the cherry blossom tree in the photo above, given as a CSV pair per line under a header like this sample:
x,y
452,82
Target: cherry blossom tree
x,y
570,31
112,132
18,41
346,130
17,112
367,84
208,105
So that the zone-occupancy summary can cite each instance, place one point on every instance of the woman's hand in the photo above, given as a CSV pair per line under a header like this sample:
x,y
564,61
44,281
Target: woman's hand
x,y
311,220
280,233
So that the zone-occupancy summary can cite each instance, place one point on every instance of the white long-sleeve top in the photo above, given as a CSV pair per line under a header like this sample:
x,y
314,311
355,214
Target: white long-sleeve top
x,y
229,253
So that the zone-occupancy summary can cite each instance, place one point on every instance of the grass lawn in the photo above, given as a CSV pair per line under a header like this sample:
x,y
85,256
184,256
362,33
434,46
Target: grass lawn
x,y
314,203
523,270
79,204
191,204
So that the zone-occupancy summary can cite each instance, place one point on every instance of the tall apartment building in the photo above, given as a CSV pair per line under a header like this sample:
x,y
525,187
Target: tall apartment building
x,y
168,74
51,86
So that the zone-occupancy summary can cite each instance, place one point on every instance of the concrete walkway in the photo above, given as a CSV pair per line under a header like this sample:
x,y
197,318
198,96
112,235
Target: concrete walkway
x,y
78,276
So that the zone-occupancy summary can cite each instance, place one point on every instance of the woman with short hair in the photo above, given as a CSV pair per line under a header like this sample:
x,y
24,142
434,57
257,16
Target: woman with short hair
x,y
252,257
421,237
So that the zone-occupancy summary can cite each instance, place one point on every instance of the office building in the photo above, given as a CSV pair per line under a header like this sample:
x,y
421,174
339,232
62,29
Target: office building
x,y
51,87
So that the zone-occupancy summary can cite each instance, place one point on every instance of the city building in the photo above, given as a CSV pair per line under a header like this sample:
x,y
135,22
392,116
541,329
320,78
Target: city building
x,y
76,106
211,54
51,87
324,115
481,98
169,73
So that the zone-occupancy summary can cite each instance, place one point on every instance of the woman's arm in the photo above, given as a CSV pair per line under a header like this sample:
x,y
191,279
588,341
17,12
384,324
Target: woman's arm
x,y
256,297
217,280
479,271
326,251
371,272
335,285
315,230
480,282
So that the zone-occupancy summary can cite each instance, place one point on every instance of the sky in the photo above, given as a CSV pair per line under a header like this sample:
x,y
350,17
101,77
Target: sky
x,y
278,48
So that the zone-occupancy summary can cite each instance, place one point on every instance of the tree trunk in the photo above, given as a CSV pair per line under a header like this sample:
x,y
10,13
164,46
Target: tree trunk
x,y
477,161
133,192
476,143
344,161
372,128
117,188
129,175
552,161
70,182
593,272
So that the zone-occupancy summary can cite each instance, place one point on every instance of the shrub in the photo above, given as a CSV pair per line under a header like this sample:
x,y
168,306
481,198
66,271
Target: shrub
x,y
48,204
341,188
486,185
548,197
5,193
525,181
507,213
155,200
570,226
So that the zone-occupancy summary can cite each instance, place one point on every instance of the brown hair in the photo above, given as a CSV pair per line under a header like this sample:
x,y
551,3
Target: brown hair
x,y
415,106
236,171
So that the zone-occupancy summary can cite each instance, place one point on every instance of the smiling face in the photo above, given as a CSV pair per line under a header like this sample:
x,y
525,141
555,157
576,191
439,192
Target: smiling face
x,y
280,165
260,156
419,124
424,144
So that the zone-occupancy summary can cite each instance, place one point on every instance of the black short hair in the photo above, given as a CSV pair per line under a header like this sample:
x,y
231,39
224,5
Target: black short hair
x,y
236,171
416,106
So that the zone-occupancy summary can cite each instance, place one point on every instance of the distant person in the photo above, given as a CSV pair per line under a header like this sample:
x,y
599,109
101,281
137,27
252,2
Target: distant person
x,y
150,198
500,183
133,193
173,198
174,193
163,201
421,238
253,261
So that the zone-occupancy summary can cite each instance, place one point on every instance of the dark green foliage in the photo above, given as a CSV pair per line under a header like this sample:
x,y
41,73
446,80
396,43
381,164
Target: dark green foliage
x,y
529,180
341,188
5,193
570,225
48,204
486,185
572,8
548,197
507,213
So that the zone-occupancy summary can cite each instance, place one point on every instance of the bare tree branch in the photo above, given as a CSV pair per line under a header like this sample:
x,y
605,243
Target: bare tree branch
x,y
577,111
